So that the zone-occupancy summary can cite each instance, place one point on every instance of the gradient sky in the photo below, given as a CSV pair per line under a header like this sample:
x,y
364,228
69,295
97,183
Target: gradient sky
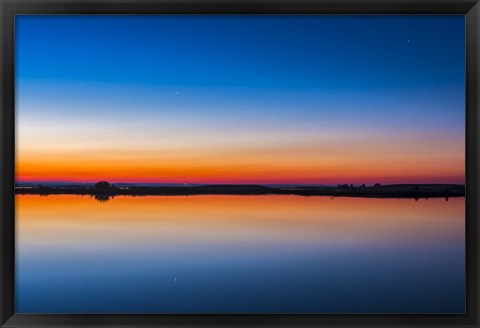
x,y
240,99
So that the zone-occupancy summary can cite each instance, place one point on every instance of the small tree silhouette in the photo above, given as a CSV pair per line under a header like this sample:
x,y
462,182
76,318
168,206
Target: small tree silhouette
x,y
102,185
377,185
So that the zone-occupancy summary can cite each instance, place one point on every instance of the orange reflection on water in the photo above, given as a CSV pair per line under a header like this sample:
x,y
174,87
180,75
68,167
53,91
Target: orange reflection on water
x,y
125,222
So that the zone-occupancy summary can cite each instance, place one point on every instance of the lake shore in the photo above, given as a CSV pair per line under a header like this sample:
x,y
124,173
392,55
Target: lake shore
x,y
378,191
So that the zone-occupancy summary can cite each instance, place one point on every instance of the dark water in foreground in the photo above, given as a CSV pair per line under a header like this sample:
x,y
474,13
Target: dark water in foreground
x,y
239,254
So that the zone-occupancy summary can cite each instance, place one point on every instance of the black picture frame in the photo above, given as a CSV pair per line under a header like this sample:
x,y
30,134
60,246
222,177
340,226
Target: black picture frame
x,y
9,8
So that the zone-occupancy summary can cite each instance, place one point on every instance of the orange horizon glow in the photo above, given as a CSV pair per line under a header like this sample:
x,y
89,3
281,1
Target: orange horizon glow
x,y
198,176
320,158
300,174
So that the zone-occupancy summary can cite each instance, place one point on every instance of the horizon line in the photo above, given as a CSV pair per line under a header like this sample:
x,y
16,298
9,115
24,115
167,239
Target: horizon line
x,y
234,183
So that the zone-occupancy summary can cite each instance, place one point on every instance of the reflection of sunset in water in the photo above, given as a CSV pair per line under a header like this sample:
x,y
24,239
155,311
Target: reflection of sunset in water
x,y
47,221
262,253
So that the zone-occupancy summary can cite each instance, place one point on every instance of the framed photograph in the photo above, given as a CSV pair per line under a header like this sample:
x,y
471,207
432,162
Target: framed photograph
x,y
230,163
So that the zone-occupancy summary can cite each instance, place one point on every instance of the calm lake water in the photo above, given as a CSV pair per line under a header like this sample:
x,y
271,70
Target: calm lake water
x,y
239,254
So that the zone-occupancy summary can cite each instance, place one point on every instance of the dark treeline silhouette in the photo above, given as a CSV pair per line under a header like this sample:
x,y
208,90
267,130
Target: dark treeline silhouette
x,y
102,185
103,190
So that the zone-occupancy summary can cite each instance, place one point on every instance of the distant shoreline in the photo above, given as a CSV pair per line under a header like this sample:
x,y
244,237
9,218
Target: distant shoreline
x,y
379,191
